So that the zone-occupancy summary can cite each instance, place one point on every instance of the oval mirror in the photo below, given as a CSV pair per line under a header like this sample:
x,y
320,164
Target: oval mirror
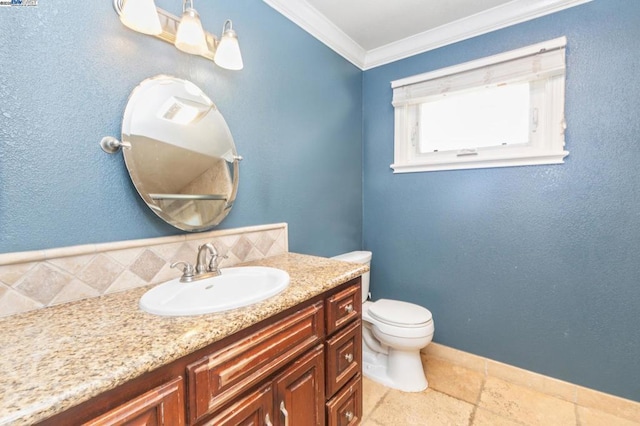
x,y
180,153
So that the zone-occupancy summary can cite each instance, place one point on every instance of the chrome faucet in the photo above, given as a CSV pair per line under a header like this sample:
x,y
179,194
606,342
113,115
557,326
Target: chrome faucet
x,y
203,268
201,265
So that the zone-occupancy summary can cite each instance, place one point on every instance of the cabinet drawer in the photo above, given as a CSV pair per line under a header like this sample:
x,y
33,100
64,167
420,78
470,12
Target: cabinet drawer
x,y
217,378
343,307
253,409
343,357
163,405
345,409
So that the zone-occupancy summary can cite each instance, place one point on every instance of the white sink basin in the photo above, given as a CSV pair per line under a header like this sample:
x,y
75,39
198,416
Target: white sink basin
x,y
233,288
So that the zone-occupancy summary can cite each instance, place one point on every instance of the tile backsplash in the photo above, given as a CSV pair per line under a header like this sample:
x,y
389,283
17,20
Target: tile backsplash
x,y
37,279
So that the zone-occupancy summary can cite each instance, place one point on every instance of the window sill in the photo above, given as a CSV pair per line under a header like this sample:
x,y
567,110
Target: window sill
x,y
477,162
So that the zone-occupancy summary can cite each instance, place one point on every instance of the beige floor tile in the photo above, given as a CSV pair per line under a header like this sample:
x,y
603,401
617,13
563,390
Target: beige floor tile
x,y
453,380
372,393
525,405
368,422
593,417
428,408
483,417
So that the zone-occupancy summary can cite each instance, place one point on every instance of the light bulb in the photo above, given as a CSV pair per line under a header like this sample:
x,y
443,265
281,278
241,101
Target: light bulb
x,y
228,50
190,36
141,16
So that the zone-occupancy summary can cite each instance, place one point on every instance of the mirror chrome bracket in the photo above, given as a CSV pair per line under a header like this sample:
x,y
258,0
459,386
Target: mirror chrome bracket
x,y
111,145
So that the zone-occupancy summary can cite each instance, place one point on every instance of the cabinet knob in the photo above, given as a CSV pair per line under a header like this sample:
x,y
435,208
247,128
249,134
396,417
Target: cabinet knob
x,y
349,308
349,416
348,357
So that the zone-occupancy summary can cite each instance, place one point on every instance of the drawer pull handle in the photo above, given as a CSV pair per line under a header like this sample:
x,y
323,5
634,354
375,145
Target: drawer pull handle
x,y
267,420
349,308
349,415
348,357
285,413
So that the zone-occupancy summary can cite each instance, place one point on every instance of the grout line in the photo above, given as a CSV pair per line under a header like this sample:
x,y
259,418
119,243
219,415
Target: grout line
x,y
477,405
575,410
484,380
472,417
377,404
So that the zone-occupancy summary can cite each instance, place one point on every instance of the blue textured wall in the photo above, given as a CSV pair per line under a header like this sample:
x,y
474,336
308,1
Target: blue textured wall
x,y
535,266
66,70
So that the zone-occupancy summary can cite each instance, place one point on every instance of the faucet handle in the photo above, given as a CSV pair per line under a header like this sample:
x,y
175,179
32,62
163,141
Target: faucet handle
x,y
215,259
187,271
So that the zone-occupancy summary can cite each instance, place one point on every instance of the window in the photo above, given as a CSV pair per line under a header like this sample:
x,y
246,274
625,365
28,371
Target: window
x,y
504,110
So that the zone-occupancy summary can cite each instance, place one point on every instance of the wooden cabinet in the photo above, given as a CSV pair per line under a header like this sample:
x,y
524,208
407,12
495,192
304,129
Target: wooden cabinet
x,y
252,410
160,406
295,397
343,307
345,409
300,391
301,367
218,377
343,357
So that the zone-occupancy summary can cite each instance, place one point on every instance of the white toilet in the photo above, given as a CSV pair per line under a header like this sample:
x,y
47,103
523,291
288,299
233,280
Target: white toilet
x,y
393,332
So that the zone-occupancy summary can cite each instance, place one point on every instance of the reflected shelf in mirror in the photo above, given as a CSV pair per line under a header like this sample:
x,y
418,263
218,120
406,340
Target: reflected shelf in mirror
x,y
188,197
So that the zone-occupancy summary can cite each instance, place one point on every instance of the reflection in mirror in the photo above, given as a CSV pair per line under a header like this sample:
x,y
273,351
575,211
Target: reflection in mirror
x,y
182,158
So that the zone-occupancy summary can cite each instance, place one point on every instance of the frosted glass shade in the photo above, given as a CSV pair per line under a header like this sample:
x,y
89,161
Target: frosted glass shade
x,y
228,52
141,16
190,36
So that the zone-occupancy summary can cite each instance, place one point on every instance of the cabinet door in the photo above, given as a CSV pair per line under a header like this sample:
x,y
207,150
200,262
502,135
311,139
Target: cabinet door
x,y
300,392
255,409
163,405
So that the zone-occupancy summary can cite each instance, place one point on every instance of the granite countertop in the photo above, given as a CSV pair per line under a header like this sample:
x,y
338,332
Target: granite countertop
x,y
55,358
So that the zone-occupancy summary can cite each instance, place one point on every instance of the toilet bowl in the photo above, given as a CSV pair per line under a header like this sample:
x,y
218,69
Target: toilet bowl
x,y
393,333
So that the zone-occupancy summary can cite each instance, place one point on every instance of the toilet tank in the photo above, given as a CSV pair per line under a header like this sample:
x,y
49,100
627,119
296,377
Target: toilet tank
x,y
359,257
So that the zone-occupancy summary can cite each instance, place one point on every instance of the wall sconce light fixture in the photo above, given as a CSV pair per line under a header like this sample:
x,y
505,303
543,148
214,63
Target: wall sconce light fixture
x,y
185,33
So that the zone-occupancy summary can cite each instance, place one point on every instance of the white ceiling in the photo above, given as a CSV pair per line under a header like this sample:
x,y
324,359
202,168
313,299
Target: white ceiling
x,y
372,24
370,33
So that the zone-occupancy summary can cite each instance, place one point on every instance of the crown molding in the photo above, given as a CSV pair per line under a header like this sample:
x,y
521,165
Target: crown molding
x,y
511,13
503,16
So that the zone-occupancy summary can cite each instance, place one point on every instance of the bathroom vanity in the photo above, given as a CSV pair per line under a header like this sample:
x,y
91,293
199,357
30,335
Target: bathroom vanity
x,y
294,359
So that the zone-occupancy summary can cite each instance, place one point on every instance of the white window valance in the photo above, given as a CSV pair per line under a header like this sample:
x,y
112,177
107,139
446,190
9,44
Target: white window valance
x,y
540,67
531,63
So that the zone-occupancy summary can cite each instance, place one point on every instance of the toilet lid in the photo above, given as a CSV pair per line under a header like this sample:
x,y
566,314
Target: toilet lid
x,y
399,313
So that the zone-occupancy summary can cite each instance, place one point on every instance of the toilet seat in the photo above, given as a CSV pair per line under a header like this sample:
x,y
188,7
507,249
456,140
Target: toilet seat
x,y
400,314
412,321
